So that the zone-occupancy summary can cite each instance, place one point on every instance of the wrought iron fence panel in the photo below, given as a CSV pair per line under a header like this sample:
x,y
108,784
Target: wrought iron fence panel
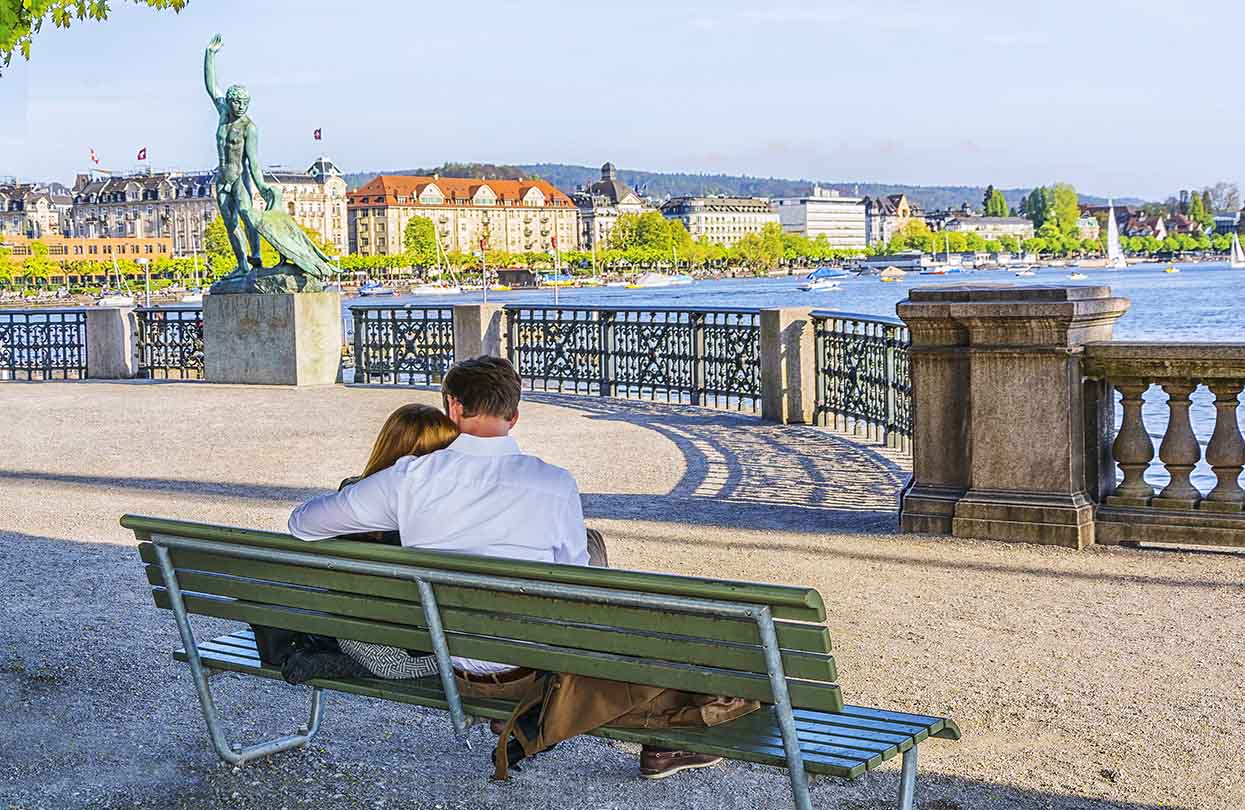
x,y
732,360
692,356
43,344
561,350
170,341
864,376
403,345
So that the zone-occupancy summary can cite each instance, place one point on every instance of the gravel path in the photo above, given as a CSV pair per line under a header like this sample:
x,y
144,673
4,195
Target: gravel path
x,y
1106,678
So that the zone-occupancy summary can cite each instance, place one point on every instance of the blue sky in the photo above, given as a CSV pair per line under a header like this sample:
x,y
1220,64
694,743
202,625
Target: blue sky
x,y
1122,97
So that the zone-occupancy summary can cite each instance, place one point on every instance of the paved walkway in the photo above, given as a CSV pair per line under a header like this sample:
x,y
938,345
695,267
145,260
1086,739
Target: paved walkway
x,y
1107,678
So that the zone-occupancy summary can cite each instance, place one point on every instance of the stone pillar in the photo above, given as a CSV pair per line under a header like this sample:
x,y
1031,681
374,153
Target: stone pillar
x,y
940,429
479,329
111,343
788,366
1006,415
272,339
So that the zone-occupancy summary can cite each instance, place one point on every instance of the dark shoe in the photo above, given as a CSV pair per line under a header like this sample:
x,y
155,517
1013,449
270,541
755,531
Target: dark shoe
x,y
497,727
658,763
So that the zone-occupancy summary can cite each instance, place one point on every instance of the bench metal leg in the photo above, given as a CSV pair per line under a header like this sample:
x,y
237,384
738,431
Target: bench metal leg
x,y
907,779
234,754
445,666
782,707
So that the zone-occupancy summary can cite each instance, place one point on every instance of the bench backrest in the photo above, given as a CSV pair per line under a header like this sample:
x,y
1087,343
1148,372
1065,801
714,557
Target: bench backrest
x,y
660,646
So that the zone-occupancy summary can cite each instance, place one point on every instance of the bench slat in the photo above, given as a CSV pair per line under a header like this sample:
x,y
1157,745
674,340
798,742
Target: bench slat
x,y
791,635
691,678
665,647
799,604
753,738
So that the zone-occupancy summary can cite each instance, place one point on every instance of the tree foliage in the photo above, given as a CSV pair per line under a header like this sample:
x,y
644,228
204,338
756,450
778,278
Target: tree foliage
x,y
995,205
420,241
20,20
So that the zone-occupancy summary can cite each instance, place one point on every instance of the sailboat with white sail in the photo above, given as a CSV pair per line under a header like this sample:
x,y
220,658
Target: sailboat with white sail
x,y
1237,258
1115,254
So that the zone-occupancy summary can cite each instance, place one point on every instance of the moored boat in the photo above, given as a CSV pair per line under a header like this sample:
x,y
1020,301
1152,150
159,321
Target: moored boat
x,y
650,280
1236,259
820,285
374,288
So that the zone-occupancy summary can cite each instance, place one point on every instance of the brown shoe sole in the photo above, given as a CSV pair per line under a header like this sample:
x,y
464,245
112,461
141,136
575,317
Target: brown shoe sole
x,y
688,767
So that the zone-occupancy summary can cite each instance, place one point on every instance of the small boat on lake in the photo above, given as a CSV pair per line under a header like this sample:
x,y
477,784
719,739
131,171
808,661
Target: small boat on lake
x,y
195,296
1077,276
435,289
114,299
822,273
1236,259
1115,255
821,285
557,280
374,288
651,280
1026,272
1172,269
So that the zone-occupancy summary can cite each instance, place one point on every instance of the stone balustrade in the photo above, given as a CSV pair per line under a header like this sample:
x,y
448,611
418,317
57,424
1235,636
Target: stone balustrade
x,y
1134,510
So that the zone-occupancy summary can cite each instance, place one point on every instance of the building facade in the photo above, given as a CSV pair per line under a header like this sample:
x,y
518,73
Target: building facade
x,y
99,249
1087,227
33,211
886,216
825,212
724,220
179,205
992,227
601,204
512,215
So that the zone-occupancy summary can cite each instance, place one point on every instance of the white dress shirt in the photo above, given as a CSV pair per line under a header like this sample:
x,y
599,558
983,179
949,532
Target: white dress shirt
x,y
479,495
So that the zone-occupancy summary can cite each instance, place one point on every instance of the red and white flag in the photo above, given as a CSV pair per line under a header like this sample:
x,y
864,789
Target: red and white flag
x,y
555,240
316,135
142,153
94,157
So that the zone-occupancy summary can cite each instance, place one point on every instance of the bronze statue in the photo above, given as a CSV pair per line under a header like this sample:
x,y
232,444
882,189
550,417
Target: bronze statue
x,y
303,265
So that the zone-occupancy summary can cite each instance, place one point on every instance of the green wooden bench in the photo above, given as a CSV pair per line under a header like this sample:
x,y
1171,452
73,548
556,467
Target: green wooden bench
x,y
766,642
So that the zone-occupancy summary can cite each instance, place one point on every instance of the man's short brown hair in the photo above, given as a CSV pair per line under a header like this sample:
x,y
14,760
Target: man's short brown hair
x,y
485,386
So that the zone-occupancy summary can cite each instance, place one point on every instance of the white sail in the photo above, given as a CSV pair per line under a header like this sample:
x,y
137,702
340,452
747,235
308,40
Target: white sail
x,y
1115,255
1237,260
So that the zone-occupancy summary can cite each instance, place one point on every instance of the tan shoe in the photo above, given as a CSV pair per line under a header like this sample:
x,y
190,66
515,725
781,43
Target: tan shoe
x,y
658,763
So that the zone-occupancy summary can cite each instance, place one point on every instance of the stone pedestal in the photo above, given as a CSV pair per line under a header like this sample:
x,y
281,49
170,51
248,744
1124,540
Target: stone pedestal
x,y
479,329
111,343
277,339
788,366
999,445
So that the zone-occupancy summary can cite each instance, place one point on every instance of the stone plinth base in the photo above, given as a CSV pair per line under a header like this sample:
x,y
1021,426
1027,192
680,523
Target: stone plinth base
x,y
1045,518
279,339
111,341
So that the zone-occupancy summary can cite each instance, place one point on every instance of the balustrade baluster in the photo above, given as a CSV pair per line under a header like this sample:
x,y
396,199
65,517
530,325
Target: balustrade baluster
x,y
1226,451
1133,450
1179,450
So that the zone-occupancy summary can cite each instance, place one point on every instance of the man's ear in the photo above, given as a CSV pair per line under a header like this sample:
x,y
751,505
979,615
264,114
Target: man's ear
x,y
514,420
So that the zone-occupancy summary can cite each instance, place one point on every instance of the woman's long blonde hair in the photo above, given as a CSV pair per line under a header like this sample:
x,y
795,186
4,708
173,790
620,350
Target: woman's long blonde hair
x,y
412,430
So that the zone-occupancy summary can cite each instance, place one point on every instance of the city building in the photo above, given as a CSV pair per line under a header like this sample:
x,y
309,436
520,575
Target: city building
x,y
601,204
824,212
1087,227
885,216
724,220
180,205
1182,225
97,249
992,227
31,210
1145,225
1227,223
511,215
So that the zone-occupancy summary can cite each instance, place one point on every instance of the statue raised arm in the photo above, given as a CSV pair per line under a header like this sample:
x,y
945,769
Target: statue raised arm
x,y
209,71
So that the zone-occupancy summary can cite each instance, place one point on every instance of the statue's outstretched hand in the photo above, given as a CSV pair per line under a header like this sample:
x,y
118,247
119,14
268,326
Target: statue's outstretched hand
x,y
215,44
270,197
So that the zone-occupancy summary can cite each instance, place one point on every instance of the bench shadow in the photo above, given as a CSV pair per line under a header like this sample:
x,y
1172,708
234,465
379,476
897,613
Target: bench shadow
x,y
745,473
229,489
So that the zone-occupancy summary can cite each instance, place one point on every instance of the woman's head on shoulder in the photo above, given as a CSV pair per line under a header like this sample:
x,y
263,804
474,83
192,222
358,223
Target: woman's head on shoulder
x,y
411,430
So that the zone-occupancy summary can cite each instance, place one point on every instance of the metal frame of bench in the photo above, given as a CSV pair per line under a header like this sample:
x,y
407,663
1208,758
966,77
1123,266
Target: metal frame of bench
x,y
424,579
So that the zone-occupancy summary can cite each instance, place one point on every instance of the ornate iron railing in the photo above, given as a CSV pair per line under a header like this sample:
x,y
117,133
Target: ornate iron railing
x,y
863,376
42,344
404,345
170,341
695,356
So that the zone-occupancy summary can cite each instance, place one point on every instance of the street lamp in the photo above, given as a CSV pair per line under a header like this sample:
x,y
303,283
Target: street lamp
x,y
146,265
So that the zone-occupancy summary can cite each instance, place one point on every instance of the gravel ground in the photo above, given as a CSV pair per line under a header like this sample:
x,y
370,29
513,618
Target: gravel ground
x,y
1107,678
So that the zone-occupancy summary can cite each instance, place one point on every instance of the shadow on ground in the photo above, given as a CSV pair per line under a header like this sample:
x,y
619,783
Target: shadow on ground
x,y
745,473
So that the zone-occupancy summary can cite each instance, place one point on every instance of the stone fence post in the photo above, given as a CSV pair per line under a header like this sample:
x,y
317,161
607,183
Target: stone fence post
x,y
111,343
788,366
479,329
999,439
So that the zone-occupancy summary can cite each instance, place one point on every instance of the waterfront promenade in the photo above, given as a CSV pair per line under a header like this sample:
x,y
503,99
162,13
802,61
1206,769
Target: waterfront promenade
x,y
1098,678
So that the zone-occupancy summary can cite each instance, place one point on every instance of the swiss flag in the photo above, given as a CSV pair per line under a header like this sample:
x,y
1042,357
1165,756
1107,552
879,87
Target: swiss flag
x,y
142,153
317,135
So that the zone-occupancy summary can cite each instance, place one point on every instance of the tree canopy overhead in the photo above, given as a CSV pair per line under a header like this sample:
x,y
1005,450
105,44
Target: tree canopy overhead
x,y
20,20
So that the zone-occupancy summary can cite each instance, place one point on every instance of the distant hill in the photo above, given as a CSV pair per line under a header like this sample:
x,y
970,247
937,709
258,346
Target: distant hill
x,y
660,185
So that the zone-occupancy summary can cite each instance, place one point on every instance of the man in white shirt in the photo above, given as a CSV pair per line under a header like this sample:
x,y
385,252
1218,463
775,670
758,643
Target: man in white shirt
x,y
480,495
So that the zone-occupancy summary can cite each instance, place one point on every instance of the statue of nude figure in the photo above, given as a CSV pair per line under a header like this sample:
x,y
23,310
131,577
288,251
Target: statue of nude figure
x,y
239,175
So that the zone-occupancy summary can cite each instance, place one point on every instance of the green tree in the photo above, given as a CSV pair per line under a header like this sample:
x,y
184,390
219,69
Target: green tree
x,y
420,241
1065,207
1197,209
38,268
994,203
20,20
